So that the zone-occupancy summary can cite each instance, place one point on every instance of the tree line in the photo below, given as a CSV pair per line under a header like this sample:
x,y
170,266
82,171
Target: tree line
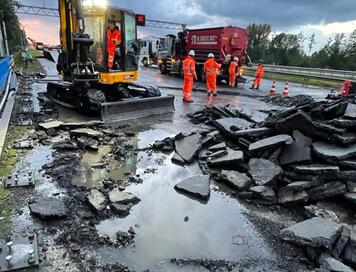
x,y
13,29
297,50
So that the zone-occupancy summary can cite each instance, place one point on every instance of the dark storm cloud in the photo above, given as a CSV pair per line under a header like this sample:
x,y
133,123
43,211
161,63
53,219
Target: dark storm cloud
x,y
283,13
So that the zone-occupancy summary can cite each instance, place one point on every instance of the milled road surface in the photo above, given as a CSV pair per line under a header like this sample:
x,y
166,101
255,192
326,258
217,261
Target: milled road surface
x,y
221,229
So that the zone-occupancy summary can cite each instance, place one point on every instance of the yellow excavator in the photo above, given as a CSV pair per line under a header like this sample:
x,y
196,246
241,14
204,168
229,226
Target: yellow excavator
x,y
89,85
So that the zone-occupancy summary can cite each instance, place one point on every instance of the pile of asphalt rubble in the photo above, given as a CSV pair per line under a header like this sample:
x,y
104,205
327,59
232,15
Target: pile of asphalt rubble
x,y
298,157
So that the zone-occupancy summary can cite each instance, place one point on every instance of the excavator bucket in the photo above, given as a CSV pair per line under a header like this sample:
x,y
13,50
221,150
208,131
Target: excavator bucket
x,y
136,108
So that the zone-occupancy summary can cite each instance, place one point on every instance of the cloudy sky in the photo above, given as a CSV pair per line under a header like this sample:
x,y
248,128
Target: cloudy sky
x,y
322,17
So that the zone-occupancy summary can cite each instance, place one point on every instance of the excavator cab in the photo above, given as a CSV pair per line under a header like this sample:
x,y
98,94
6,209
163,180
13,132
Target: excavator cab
x,y
91,83
125,65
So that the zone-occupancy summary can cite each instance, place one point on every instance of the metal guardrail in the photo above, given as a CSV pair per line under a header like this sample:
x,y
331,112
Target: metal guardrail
x,y
310,72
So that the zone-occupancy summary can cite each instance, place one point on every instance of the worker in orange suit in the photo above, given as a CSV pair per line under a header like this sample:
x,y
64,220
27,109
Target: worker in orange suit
x,y
211,67
259,75
114,40
233,72
189,76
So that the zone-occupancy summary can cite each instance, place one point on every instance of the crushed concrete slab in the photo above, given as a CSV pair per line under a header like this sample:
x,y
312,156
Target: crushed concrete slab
x,y
120,197
218,154
264,172
331,264
225,124
349,252
64,145
48,208
351,186
263,194
290,196
188,147
298,151
327,190
97,200
271,142
237,180
334,152
316,169
50,125
26,144
217,147
232,157
314,232
350,111
198,186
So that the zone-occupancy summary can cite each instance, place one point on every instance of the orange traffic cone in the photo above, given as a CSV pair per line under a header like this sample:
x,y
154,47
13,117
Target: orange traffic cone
x,y
285,91
272,92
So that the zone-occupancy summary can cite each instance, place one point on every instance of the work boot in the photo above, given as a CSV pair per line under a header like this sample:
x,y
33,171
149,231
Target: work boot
x,y
252,87
209,93
258,87
187,101
215,94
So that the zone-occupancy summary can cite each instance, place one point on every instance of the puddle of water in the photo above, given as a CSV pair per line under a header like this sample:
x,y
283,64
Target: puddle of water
x,y
216,230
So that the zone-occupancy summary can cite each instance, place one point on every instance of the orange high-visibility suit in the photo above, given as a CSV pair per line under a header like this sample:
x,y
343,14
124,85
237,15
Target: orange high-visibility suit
x,y
259,75
210,67
189,74
232,73
114,39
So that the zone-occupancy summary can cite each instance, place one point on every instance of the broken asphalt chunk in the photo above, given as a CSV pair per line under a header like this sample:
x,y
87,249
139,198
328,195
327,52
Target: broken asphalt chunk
x,y
314,232
270,142
316,169
232,157
198,186
188,147
298,151
120,197
331,264
237,180
253,132
264,172
327,190
263,194
229,125
290,196
333,152
97,200
217,147
48,208
87,132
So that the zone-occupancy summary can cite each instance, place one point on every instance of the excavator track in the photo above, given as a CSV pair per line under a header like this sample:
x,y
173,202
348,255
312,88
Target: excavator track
x,y
135,101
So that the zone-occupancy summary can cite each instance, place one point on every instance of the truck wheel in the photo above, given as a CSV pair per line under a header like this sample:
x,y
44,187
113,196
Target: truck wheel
x,y
145,62
163,69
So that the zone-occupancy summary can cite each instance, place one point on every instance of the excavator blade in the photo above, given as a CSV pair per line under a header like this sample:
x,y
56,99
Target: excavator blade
x,y
136,108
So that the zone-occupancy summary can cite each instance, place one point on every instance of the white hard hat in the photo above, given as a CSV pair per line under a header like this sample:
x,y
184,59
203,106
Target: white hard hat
x,y
211,55
236,59
191,53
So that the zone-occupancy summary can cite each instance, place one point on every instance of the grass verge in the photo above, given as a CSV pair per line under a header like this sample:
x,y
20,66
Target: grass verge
x,y
33,67
332,84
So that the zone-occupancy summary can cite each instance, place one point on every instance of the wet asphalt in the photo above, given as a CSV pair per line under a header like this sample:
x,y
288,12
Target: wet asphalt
x,y
218,230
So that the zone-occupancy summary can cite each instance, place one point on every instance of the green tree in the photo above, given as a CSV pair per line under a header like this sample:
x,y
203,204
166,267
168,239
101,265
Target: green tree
x,y
258,40
13,30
